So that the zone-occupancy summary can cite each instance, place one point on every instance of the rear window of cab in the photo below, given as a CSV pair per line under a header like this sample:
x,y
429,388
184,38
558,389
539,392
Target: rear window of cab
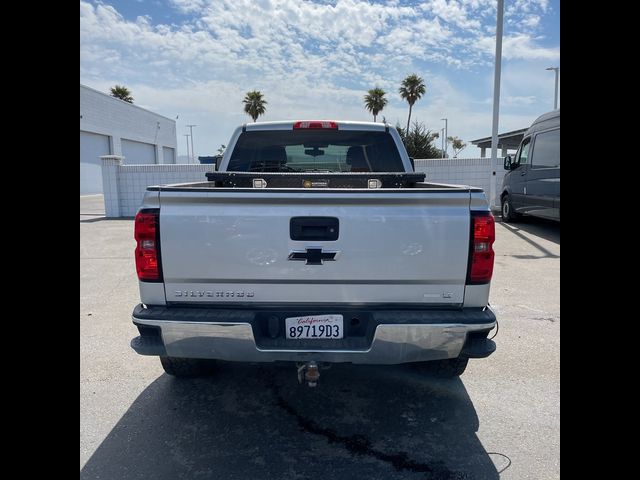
x,y
315,150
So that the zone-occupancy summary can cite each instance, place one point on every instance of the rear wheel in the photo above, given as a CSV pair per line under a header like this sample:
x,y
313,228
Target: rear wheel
x,y
508,213
187,367
449,368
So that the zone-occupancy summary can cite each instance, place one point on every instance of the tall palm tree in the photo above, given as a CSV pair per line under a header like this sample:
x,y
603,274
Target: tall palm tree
x,y
374,101
254,104
122,92
411,90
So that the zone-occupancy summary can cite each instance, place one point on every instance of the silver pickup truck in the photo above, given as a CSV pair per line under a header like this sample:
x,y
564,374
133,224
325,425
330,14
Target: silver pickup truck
x,y
315,242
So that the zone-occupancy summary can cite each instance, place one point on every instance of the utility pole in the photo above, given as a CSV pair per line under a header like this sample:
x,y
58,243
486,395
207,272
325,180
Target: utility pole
x,y
193,155
446,132
187,135
496,104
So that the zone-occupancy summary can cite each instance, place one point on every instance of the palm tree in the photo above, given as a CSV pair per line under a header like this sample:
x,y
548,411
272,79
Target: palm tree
x,y
122,92
411,89
254,104
374,101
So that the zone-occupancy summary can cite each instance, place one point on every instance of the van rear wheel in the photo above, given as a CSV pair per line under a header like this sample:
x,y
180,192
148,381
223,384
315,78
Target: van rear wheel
x,y
508,213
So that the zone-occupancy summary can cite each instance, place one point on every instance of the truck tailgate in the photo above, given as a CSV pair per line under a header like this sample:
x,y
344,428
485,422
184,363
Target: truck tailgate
x,y
393,246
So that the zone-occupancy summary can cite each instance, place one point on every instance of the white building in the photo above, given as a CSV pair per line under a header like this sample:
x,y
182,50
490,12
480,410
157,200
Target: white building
x,y
110,126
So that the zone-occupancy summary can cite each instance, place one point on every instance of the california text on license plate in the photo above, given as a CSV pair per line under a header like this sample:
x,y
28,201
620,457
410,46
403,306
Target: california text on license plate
x,y
315,326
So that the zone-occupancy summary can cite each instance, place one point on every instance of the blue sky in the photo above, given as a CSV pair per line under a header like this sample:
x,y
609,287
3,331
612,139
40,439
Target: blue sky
x,y
196,59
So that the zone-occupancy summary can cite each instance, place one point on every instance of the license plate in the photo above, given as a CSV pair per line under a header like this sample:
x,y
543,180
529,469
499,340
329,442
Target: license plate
x,y
315,326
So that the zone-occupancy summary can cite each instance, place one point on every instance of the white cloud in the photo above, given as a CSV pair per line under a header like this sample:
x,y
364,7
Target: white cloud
x,y
531,21
518,100
528,6
452,12
311,59
519,47
188,6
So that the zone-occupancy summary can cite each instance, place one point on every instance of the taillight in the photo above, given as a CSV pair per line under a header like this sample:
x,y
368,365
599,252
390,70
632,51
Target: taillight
x,y
315,124
483,234
147,235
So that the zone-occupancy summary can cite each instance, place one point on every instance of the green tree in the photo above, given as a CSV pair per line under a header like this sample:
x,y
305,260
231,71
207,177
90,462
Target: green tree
x,y
419,141
374,101
411,90
457,144
122,92
254,104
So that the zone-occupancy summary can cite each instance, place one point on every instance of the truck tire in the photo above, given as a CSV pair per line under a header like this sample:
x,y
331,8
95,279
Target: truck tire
x,y
508,213
186,367
450,368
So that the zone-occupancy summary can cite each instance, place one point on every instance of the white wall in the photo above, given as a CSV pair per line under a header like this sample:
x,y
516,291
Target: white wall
x,y
464,171
125,185
103,114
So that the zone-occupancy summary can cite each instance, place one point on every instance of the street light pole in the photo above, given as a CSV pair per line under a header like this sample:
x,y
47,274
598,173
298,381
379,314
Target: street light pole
x,y
446,139
193,155
187,135
442,141
496,104
555,96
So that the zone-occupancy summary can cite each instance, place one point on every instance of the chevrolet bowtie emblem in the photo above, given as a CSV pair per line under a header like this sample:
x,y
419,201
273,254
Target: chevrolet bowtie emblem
x,y
313,256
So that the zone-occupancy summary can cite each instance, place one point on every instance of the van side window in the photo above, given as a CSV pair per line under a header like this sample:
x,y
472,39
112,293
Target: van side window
x,y
523,153
546,151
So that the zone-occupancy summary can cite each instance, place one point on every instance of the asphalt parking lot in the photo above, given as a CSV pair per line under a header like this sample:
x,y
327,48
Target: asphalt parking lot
x,y
500,419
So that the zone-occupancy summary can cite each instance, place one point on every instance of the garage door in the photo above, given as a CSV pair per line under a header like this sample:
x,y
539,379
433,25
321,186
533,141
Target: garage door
x,y
138,153
92,146
168,155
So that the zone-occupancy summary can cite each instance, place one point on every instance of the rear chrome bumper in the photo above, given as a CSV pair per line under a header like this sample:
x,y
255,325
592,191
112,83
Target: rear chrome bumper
x,y
196,336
